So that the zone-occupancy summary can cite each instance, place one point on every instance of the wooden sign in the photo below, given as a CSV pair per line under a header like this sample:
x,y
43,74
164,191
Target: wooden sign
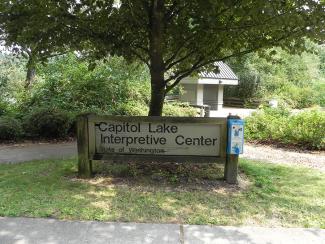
x,y
152,138
129,139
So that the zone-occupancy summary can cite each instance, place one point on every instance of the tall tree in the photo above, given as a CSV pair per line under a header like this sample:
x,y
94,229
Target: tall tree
x,y
175,38
19,39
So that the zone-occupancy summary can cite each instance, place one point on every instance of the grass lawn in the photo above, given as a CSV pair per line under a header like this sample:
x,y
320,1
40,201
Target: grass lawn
x,y
269,195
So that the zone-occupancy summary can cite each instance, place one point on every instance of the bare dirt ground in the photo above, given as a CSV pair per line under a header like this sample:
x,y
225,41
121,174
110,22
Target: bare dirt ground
x,y
265,153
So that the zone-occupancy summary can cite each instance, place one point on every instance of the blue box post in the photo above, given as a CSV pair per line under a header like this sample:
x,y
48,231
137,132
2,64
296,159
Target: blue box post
x,y
235,141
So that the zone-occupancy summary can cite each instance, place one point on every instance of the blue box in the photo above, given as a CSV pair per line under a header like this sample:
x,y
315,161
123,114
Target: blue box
x,y
235,141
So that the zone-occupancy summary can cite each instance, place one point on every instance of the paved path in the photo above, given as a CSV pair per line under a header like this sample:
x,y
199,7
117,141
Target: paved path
x,y
37,151
50,231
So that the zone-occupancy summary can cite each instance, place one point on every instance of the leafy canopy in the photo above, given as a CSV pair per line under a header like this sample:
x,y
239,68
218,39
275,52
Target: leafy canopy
x,y
195,31
175,38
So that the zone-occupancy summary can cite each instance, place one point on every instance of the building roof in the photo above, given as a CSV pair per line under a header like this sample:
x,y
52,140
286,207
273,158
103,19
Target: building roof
x,y
225,73
222,76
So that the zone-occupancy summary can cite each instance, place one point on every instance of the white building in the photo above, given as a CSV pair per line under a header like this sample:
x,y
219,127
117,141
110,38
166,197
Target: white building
x,y
207,88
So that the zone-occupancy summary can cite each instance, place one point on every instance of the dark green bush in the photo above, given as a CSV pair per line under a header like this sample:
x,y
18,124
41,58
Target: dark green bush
x,y
10,129
47,123
3,108
305,129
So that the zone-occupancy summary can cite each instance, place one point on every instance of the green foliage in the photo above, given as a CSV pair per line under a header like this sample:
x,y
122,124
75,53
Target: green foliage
x,y
297,80
174,38
319,92
304,129
10,128
128,26
249,79
12,75
3,108
307,128
112,87
179,110
47,123
131,108
68,84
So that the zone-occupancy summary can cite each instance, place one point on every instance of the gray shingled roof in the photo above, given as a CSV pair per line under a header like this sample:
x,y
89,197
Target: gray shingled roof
x,y
225,73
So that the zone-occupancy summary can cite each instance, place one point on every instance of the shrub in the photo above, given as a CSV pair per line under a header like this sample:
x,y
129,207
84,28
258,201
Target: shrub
x,y
179,110
132,109
307,128
3,108
304,129
170,109
10,128
47,123
112,87
266,124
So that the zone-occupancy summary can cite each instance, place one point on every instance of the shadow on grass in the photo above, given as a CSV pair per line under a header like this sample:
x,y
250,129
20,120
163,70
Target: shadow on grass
x,y
175,193
173,176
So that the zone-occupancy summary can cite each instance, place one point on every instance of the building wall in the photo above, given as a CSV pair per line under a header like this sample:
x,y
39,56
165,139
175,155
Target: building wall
x,y
189,80
210,96
200,94
189,93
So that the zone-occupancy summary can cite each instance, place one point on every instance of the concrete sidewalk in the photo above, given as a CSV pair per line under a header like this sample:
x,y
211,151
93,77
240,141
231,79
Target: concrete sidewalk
x,y
50,231
37,151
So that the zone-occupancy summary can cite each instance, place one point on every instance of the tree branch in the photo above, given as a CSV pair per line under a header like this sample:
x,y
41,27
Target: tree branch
x,y
177,74
168,63
180,47
184,73
251,25
168,67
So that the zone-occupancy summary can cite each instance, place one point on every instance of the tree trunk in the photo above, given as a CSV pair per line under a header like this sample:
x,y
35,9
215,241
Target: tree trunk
x,y
157,93
31,72
157,66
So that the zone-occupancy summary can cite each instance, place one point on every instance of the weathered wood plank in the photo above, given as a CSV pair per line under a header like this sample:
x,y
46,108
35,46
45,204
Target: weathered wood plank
x,y
231,169
93,118
158,158
84,161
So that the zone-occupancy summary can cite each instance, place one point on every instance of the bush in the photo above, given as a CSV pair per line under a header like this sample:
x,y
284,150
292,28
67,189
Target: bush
x,y
3,108
170,109
132,109
112,87
179,110
305,129
10,128
47,123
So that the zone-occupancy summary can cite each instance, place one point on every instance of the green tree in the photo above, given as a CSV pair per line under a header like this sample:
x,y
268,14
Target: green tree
x,y
175,38
296,79
67,83
11,77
